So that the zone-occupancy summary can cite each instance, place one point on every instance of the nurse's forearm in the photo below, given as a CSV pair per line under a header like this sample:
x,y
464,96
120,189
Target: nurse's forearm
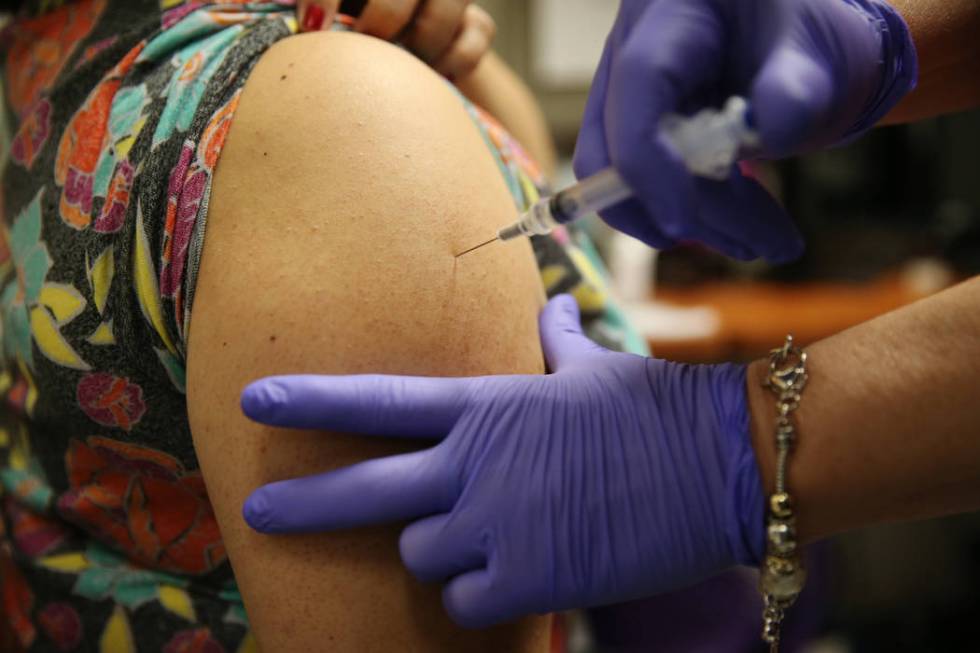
x,y
889,422
945,34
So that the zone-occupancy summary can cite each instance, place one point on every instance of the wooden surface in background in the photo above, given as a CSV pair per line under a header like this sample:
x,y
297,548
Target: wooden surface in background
x,y
756,316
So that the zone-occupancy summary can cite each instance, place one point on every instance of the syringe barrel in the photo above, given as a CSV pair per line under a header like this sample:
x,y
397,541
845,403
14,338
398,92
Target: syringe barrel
x,y
592,194
595,193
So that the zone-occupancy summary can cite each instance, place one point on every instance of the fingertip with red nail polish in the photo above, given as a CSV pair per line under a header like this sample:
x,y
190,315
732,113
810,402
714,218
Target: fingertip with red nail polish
x,y
313,18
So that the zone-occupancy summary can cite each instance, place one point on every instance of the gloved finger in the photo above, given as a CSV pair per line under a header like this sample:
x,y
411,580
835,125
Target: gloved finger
x,y
434,28
591,150
385,18
676,48
664,203
740,218
370,404
632,218
314,15
472,600
590,154
561,333
791,99
473,41
693,227
435,548
375,491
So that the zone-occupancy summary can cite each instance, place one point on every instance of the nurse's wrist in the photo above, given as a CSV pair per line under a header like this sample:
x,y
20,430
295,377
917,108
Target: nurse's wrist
x,y
899,61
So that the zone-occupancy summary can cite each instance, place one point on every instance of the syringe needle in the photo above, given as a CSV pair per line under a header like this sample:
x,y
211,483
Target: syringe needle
x,y
476,247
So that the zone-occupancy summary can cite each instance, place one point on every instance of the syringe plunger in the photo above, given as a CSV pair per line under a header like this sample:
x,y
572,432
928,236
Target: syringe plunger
x,y
709,141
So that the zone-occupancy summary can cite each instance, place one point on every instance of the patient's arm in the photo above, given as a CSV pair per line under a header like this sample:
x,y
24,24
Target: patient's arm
x,y
350,177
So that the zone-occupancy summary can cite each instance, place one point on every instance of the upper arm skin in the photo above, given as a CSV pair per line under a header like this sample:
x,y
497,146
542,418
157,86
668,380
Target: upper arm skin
x,y
350,178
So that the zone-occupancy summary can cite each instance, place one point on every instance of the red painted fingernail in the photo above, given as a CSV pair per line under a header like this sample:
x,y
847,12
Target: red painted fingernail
x,y
313,20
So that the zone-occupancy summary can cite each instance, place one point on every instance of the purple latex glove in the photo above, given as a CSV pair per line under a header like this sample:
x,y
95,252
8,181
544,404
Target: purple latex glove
x,y
614,477
815,72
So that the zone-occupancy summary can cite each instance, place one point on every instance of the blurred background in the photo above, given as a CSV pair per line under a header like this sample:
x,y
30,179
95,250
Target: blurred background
x,y
887,220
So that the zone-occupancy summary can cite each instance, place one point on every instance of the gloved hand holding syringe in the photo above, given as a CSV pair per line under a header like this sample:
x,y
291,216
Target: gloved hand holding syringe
x,y
709,142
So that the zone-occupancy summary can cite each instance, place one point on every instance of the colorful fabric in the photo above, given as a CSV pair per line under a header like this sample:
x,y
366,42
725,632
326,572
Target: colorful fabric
x,y
119,110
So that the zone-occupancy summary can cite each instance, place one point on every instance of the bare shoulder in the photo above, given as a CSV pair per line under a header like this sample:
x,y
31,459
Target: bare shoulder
x,y
365,164
349,179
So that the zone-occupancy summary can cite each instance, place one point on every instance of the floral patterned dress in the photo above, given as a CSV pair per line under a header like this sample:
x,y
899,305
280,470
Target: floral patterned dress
x,y
117,112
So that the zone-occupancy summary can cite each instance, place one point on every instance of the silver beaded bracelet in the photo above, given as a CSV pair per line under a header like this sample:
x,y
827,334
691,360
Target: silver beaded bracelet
x,y
782,575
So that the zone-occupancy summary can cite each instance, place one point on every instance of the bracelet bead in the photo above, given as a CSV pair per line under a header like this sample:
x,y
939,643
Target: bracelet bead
x,y
781,505
782,578
782,538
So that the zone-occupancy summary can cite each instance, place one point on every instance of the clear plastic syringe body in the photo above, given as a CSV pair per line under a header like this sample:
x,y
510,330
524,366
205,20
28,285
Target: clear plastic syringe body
x,y
594,193
709,142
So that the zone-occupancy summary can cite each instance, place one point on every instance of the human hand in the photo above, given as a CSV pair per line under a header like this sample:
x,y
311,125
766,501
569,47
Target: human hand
x,y
614,477
816,73
449,35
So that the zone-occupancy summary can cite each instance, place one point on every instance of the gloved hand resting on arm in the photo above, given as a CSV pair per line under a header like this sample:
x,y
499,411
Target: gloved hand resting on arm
x,y
614,477
815,72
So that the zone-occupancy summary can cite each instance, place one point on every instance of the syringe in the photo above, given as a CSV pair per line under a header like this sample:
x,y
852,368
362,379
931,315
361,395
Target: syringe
x,y
708,142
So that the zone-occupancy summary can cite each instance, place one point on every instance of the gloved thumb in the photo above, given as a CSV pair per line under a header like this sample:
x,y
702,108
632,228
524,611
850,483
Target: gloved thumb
x,y
561,333
791,98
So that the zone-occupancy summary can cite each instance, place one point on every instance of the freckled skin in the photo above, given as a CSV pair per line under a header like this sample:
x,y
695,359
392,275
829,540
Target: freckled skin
x,y
348,267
